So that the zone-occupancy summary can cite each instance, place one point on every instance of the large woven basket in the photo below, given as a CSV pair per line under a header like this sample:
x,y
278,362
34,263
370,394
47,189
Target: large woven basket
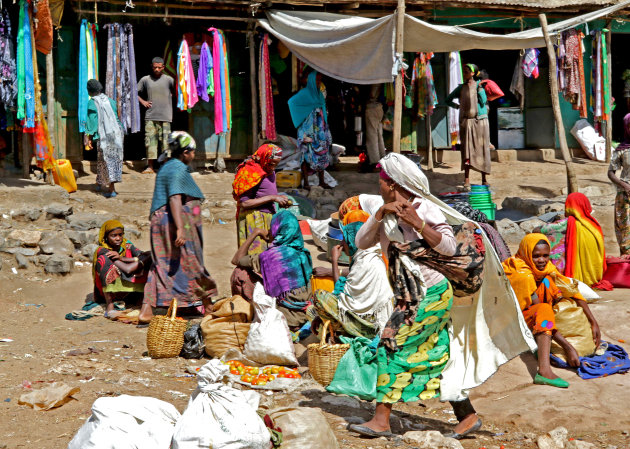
x,y
165,336
324,358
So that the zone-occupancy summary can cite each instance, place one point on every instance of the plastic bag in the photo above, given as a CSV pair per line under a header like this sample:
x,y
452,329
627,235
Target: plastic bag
x,y
356,372
573,324
227,326
55,395
319,232
194,346
591,142
218,416
269,340
304,428
127,422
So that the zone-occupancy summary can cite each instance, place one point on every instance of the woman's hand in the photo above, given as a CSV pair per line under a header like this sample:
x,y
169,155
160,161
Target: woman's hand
x,y
597,336
180,240
389,208
282,200
336,251
113,255
409,215
264,234
573,359
322,272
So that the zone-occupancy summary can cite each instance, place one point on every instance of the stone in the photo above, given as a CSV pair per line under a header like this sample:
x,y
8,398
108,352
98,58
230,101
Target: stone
x,y
25,237
529,225
593,191
532,206
88,250
0,263
323,212
78,238
30,214
342,401
430,439
56,243
316,192
132,233
510,231
58,210
21,260
559,435
225,204
205,213
24,251
58,264
43,258
84,221
579,444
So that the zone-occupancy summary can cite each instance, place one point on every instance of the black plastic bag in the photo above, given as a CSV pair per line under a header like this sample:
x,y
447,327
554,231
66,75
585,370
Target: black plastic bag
x,y
194,346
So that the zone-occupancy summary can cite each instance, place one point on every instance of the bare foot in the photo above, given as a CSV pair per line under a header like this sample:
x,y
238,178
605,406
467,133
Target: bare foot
x,y
146,313
466,423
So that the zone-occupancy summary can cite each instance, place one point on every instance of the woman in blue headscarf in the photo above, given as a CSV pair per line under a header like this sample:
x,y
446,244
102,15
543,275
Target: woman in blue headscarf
x,y
309,115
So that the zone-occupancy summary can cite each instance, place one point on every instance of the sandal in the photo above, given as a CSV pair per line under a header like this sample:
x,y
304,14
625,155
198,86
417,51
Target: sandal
x,y
148,171
459,436
557,382
367,432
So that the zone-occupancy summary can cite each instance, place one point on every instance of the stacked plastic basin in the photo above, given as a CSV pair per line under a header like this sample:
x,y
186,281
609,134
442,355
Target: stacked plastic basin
x,y
480,198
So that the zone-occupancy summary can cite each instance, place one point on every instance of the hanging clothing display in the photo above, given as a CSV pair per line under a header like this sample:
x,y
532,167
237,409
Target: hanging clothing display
x,y
121,84
88,66
187,92
517,87
25,80
571,70
8,73
169,61
455,78
266,91
530,63
44,29
222,100
205,77
600,91
423,91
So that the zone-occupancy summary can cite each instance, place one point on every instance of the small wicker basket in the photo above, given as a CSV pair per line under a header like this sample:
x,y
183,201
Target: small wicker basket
x,y
165,336
324,358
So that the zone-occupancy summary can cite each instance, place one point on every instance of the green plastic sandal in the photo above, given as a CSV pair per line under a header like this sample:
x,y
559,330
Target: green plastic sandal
x,y
558,382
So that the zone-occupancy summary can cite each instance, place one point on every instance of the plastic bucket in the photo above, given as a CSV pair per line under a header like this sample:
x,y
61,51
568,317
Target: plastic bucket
x,y
335,233
479,188
490,212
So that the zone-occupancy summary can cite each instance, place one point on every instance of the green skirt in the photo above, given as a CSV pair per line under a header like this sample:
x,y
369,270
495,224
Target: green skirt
x,y
413,372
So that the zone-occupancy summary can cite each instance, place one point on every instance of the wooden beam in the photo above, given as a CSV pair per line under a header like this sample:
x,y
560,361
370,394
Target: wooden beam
x,y
165,16
555,101
427,127
398,100
253,88
609,70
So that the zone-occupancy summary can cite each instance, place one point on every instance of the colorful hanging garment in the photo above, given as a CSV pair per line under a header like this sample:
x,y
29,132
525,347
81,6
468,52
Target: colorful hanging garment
x,y
605,78
88,67
170,65
455,78
422,85
8,68
266,91
597,100
205,80
571,70
187,94
26,86
222,100
121,83
530,63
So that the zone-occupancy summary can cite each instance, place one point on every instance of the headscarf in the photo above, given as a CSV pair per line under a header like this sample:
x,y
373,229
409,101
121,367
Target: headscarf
x,y
585,253
306,101
493,321
523,274
349,204
252,171
286,265
106,228
178,142
352,222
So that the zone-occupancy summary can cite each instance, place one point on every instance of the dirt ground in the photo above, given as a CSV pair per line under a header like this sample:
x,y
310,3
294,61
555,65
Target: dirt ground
x,y
33,307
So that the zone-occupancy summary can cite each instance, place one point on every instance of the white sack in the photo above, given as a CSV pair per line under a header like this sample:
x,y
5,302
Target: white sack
x,y
591,142
218,416
269,340
319,232
587,292
127,422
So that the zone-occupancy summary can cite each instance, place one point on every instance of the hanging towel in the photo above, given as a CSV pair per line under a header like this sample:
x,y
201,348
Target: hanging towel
x,y
455,78
205,66
8,67
88,67
222,101
29,80
187,95
133,82
517,87
266,91
530,63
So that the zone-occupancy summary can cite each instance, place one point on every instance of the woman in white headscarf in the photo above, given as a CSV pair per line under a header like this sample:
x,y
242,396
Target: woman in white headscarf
x,y
426,350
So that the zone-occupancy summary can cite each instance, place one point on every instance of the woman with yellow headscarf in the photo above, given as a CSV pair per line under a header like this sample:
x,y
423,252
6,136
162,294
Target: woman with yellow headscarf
x,y
119,267
539,286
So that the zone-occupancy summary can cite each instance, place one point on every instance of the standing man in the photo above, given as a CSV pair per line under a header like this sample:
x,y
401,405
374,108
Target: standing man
x,y
374,126
158,88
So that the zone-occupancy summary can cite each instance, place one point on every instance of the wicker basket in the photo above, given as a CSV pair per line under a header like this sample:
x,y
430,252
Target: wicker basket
x,y
165,336
324,358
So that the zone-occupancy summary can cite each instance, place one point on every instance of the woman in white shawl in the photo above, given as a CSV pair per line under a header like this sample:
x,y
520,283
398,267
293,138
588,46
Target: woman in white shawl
x,y
103,127
362,300
431,347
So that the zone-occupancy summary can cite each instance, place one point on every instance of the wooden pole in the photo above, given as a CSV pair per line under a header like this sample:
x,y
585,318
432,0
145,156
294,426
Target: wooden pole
x,y
50,97
253,88
400,23
609,121
427,125
555,101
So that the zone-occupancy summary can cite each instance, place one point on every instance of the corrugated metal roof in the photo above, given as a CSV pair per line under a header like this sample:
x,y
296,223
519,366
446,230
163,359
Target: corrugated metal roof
x,y
542,4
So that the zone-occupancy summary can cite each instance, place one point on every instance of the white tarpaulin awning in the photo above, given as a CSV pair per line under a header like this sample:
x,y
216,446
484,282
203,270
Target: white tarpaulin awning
x,y
348,48
361,50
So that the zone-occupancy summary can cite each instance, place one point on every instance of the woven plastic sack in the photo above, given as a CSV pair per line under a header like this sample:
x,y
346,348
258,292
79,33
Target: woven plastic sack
x,y
218,416
304,428
356,373
573,324
269,340
227,326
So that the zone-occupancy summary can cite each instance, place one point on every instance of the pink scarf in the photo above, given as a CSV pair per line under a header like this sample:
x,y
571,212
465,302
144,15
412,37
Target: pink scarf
x,y
266,92
217,51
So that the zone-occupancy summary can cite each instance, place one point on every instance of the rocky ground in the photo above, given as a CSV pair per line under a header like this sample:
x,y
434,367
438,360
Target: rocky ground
x,y
46,241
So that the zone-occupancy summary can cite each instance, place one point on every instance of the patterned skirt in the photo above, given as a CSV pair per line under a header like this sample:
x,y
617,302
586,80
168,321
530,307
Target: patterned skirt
x,y
248,220
326,306
412,373
178,272
109,166
622,222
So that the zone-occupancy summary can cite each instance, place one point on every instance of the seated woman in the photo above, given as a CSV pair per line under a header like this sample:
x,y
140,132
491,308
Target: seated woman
x,y
577,242
362,300
119,267
254,189
364,202
534,280
285,268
